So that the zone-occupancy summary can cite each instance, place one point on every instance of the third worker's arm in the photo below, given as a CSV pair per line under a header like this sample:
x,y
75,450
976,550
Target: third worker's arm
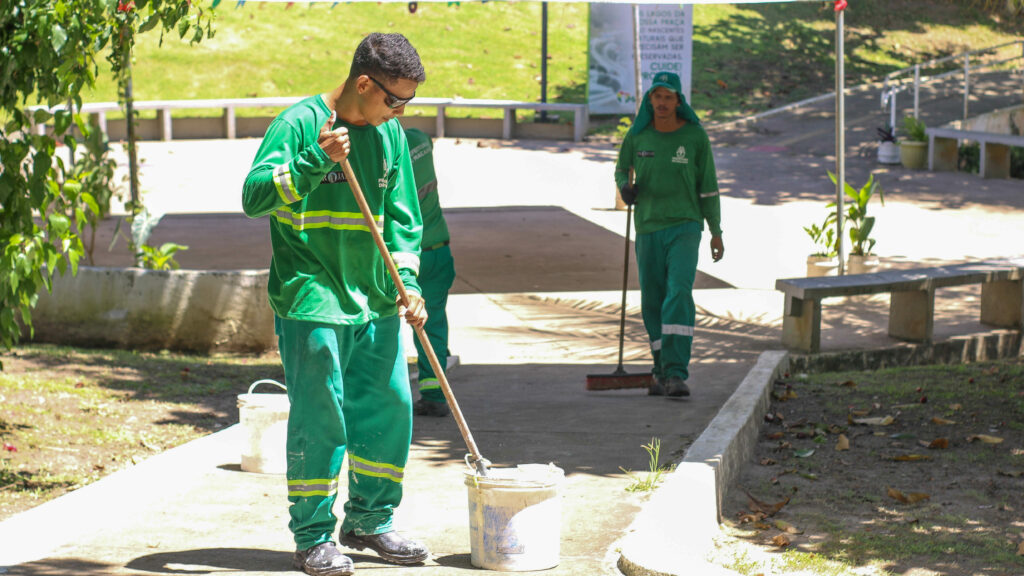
x,y
710,199
623,166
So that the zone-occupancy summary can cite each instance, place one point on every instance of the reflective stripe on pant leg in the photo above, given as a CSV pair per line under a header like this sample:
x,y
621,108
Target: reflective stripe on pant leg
x,y
437,273
378,415
650,260
312,355
682,247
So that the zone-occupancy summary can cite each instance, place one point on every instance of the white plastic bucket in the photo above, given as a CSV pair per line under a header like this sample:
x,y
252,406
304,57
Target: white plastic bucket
x,y
264,420
515,517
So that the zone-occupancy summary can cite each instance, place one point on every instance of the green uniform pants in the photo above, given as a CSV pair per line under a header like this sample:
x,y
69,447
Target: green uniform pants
x,y
349,391
667,260
437,273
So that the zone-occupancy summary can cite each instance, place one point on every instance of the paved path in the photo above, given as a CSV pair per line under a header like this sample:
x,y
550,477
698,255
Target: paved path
x,y
535,309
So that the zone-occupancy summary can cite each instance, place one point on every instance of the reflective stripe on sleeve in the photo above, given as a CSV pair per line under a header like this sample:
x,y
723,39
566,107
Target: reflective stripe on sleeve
x,y
709,194
407,260
285,185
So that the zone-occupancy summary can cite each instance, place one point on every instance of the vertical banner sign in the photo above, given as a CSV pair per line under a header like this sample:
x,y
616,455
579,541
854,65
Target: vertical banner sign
x,y
666,45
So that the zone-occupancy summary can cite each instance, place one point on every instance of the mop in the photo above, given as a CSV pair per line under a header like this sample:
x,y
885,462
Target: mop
x,y
620,378
476,461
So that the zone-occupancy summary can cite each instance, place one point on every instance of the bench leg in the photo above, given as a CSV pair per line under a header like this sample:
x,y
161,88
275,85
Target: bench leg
x,y
801,325
912,315
995,161
1002,303
943,154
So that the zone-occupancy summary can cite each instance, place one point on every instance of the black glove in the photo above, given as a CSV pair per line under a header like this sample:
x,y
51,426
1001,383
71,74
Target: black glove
x,y
629,193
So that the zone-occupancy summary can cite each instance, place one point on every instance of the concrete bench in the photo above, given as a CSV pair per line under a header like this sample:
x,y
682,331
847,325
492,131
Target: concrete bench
x,y
164,109
944,148
912,301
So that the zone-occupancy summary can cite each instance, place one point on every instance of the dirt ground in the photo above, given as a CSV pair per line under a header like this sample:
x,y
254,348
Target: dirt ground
x,y
912,471
69,417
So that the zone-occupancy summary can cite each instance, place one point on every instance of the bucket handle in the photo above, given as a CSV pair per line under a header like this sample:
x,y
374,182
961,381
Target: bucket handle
x,y
267,381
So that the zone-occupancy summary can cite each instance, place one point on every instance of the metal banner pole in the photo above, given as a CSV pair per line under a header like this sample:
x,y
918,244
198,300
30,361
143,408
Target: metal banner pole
x,y
840,5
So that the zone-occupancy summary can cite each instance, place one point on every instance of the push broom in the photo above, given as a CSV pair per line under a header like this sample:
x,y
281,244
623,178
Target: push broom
x,y
620,378
478,461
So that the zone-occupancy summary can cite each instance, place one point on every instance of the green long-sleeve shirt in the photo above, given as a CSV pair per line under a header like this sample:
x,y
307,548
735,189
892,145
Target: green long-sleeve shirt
x,y
675,172
421,150
325,265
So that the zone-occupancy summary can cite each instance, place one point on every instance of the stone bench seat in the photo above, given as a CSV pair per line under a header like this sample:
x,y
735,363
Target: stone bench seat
x,y
994,161
912,300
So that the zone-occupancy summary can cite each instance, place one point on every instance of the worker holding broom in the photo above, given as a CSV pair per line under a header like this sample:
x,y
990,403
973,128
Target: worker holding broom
x,y
675,190
437,273
336,315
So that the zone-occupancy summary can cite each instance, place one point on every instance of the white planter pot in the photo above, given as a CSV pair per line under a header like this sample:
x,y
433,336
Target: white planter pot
x,y
856,264
888,153
818,266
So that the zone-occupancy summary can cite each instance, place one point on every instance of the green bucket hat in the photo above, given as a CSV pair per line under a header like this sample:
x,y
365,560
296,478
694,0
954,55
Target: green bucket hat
x,y
646,113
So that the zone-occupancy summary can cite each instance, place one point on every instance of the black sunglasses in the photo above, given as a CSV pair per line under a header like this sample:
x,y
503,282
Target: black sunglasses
x,y
390,100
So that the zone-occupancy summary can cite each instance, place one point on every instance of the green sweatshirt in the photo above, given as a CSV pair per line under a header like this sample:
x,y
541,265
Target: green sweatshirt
x,y
421,149
675,172
325,265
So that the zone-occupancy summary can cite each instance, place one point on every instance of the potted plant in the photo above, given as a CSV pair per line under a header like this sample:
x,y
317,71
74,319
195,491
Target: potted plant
x,y
888,148
822,262
861,259
914,147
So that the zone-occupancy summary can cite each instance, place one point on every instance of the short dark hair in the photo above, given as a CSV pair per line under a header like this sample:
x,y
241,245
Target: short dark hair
x,y
387,56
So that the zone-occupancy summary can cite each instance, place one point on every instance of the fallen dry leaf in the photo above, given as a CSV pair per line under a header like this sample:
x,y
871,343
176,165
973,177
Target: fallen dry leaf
x,y
1020,549
911,457
764,507
859,413
843,443
956,407
848,384
1011,474
722,83
937,444
985,438
767,462
882,421
907,498
787,527
781,541
941,421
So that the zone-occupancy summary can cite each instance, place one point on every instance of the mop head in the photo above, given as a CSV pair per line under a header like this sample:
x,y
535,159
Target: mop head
x,y
618,380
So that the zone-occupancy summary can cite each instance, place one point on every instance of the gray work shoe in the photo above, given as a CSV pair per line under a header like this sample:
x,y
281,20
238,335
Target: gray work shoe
x,y
424,407
390,546
657,387
677,387
323,560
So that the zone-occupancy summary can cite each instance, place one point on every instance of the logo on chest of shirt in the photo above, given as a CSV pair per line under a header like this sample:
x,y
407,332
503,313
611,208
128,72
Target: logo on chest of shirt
x,y
334,177
645,153
680,157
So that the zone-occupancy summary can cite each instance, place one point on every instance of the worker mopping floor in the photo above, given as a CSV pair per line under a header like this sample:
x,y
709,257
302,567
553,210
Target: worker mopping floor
x,y
514,513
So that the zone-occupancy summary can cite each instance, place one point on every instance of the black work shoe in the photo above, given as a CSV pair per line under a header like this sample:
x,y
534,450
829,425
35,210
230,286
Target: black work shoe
x,y
323,560
390,546
424,407
657,388
677,387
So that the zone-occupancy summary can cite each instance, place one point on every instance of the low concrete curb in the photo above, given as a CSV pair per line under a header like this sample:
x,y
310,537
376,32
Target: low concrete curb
x,y
673,531
192,310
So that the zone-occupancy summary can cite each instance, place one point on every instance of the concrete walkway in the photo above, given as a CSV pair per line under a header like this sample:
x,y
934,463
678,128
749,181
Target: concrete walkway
x,y
534,311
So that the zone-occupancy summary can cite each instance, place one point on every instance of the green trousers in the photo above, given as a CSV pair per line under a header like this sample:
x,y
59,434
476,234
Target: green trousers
x,y
348,388
437,273
667,260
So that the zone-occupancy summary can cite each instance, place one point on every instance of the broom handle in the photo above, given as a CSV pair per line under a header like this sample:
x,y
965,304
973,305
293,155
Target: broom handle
x,y
625,283
478,460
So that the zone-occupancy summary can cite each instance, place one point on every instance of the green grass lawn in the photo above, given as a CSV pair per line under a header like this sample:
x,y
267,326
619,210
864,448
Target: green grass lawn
x,y
747,57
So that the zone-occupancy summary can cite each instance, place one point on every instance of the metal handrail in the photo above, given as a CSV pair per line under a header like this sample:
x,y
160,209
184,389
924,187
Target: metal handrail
x,y
888,96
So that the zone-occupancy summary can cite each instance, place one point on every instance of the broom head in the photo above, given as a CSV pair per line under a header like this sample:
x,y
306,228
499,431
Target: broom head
x,y
618,380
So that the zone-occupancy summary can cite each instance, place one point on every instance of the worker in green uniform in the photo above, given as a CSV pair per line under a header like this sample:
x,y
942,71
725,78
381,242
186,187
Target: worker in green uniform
x,y
675,190
437,273
336,310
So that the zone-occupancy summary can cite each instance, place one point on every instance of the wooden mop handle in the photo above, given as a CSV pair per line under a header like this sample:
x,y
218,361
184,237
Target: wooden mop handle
x,y
478,460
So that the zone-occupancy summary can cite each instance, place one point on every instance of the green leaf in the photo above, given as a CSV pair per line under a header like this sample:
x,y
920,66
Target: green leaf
x,y
58,38
803,453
